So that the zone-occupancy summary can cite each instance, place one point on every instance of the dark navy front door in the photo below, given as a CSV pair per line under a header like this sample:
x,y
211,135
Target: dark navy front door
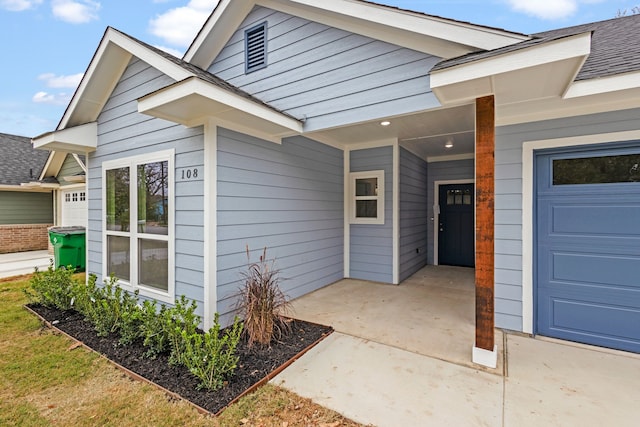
x,y
456,234
587,270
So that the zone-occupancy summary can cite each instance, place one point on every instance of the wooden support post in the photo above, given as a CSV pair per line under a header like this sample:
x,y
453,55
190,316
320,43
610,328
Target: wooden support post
x,y
485,195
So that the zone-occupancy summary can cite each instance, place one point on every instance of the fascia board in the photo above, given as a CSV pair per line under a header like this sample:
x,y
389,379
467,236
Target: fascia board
x,y
53,165
213,36
558,50
456,32
109,72
441,37
81,138
194,85
603,85
27,189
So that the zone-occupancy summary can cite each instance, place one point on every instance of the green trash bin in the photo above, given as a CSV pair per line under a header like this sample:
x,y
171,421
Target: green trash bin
x,y
68,247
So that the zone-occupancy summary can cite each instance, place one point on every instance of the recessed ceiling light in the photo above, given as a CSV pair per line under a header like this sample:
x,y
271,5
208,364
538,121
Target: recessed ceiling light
x,y
385,123
448,144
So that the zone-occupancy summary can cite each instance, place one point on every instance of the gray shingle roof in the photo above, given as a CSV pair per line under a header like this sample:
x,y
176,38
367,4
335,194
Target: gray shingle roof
x,y
615,47
19,161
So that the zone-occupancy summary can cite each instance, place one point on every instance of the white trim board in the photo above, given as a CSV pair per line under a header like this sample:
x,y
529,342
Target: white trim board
x,y
436,211
210,297
528,149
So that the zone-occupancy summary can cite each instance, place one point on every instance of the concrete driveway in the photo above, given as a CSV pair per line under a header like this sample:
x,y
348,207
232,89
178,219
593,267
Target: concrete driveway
x,y
546,384
401,356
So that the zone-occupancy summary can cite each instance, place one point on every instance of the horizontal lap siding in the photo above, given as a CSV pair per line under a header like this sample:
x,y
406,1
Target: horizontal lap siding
x,y
444,171
326,75
122,133
371,245
414,211
508,203
287,198
17,207
69,167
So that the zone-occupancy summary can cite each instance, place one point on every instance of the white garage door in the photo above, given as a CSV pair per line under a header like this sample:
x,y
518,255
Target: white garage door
x,y
74,207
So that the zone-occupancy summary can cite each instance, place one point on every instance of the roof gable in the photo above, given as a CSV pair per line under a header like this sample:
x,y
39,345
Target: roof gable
x,y
437,36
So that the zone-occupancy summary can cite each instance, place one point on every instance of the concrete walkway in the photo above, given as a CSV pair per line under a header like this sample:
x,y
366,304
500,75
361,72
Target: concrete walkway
x,y
546,384
20,263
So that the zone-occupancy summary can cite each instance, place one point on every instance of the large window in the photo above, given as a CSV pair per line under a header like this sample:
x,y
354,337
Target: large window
x,y
367,197
138,229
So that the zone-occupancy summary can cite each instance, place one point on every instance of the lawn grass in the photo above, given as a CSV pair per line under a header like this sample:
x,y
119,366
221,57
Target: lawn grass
x,y
47,380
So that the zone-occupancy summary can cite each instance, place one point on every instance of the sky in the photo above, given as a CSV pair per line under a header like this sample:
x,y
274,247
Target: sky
x,y
46,45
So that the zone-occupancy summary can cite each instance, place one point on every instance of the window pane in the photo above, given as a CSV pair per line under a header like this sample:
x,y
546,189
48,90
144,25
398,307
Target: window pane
x,y
118,257
153,198
153,264
366,208
597,170
118,199
367,187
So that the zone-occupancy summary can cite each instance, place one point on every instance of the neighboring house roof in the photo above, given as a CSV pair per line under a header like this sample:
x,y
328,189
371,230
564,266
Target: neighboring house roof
x,y
615,47
20,162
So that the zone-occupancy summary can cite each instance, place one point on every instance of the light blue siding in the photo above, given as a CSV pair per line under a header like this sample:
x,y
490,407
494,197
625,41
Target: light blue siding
x,y
444,171
508,224
287,198
328,76
414,213
371,246
123,132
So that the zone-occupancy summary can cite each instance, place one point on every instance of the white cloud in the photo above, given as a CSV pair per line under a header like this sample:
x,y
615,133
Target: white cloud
x,y
548,9
53,81
42,97
180,25
18,5
75,11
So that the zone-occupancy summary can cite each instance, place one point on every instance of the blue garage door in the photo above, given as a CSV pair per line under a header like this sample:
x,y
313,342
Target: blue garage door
x,y
588,246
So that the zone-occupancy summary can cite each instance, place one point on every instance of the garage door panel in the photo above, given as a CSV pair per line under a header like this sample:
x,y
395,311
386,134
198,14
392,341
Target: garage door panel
x,y
588,257
612,220
609,325
612,270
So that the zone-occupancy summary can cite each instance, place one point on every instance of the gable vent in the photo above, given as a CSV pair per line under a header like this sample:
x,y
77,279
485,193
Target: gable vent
x,y
255,41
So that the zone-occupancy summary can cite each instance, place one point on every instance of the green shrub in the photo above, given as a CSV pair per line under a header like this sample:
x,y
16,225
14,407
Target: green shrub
x,y
84,295
52,288
109,305
261,302
180,319
154,328
211,356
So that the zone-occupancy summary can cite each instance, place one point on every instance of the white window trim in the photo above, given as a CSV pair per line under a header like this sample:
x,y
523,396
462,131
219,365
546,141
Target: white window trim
x,y
133,235
353,176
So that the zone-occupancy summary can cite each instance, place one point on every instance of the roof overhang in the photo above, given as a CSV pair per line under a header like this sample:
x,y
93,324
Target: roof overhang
x,y
29,188
106,67
429,34
193,102
78,139
537,72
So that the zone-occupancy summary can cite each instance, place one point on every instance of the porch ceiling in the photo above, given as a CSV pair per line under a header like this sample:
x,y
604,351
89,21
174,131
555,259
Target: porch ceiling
x,y
425,133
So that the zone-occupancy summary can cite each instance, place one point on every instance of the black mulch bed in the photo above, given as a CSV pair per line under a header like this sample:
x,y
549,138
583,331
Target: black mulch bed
x,y
255,363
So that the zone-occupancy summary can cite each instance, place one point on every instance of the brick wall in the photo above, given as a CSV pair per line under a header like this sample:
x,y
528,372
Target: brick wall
x,y
24,237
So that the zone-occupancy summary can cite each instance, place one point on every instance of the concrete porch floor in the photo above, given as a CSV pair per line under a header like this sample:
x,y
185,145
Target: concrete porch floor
x,y
401,356
432,313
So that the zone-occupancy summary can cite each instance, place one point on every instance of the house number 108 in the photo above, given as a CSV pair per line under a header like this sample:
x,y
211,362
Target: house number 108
x,y
189,173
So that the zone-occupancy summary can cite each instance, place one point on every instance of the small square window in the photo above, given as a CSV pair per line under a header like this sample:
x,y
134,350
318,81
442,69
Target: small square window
x,y
75,197
367,197
255,48
83,196
67,197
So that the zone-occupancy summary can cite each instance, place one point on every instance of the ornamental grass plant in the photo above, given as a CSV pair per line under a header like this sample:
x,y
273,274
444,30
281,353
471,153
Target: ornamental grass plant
x,y
261,302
